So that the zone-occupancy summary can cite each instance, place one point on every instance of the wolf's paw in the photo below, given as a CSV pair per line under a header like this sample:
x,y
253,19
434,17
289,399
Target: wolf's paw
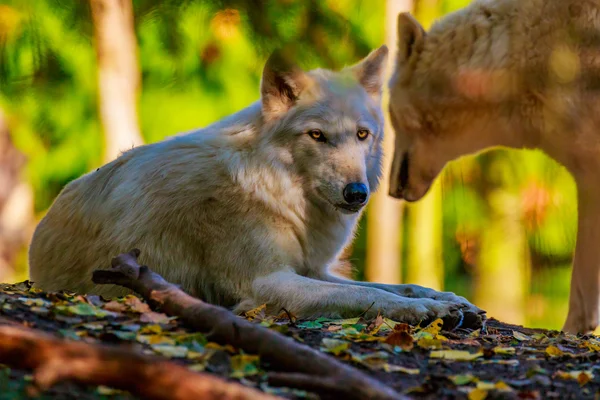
x,y
415,291
424,310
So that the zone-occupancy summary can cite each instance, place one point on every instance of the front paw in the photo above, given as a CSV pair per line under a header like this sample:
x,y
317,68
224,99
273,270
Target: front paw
x,y
415,291
423,311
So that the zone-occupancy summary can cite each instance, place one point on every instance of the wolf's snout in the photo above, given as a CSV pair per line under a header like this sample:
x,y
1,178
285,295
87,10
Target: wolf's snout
x,y
356,193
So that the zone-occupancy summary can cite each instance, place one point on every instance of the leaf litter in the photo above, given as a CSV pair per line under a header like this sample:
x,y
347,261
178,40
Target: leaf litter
x,y
419,361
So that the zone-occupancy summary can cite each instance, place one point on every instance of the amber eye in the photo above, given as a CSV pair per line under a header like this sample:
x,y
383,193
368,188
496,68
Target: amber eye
x,y
317,135
362,134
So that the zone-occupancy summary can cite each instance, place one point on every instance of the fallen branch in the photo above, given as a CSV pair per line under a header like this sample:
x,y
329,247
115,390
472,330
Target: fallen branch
x,y
53,360
225,327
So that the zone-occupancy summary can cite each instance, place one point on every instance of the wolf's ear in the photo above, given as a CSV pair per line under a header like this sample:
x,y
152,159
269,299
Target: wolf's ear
x,y
371,70
282,82
411,37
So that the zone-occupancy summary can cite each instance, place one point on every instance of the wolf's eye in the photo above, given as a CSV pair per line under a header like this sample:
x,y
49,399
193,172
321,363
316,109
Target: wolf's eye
x,y
317,135
362,134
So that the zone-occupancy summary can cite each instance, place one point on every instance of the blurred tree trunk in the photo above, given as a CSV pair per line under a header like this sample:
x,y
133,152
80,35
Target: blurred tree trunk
x,y
384,218
16,205
503,266
118,74
424,258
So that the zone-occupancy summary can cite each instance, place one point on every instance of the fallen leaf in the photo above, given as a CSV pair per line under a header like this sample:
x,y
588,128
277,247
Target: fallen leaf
x,y
582,377
554,351
136,305
244,365
504,350
428,343
155,318
170,351
376,360
431,330
397,368
520,336
155,339
115,306
401,339
464,379
334,346
255,312
84,309
502,362
455,355
592,345
477,394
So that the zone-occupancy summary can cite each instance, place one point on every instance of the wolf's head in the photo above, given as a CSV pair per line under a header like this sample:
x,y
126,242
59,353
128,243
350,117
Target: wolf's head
x,y
444,101
327,126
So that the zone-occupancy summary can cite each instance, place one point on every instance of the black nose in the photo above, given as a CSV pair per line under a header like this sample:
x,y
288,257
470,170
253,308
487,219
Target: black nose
x,y
356,193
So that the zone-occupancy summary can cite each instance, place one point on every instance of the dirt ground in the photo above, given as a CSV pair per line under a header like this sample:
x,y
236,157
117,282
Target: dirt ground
x,y
499,361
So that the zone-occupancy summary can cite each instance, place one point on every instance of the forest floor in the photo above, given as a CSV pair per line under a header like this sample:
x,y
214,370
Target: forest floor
x,y
496,361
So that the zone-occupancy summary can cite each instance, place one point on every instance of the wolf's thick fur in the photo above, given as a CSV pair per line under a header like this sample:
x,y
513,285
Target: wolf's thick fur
x,y
247,211
514,73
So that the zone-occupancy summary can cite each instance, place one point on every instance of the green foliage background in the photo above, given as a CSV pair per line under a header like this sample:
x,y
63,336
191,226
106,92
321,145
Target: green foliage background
x,y
201,60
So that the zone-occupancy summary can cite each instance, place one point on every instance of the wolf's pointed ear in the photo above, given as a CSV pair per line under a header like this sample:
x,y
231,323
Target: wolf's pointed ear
x,y
371,70
282,82
411,37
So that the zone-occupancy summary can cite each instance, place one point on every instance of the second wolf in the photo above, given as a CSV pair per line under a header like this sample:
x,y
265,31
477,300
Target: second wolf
x,y
253,209
513,73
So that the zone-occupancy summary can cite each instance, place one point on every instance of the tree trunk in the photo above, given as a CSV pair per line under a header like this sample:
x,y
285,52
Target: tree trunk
x,y
424,264
16,204
503,266
118,74
384,218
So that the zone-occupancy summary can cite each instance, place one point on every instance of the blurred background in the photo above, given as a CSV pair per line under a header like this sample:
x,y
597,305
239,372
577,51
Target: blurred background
x,y
81,80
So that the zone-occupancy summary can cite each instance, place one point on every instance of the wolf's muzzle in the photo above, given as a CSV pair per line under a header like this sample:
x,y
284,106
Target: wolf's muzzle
x,y
404,171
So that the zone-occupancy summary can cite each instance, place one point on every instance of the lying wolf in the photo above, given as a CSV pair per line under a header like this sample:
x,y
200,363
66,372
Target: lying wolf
x,y
514,73
250,210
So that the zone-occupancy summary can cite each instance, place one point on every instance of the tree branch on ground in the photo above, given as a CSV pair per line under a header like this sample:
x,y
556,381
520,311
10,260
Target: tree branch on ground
x,y
224,327
53,360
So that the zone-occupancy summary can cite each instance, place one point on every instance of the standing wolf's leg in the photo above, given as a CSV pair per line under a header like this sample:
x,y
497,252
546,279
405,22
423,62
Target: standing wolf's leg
x,y
584,297
308,297
410,291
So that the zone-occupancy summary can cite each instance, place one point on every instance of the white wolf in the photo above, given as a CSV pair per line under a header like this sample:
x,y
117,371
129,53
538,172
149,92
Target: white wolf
x,y
250,210
514,73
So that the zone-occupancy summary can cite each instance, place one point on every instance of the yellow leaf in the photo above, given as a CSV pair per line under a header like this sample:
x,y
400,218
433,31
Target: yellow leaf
x,y
483,385
434,328
334,346
504,350
520,336
503,386
477,394
582,377
427,343
155,339
592,345
252,314
396,368
455,355
554,351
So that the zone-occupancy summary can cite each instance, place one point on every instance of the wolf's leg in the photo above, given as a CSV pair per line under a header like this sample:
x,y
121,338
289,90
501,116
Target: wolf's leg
x,y
584,297
307,297
410,291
